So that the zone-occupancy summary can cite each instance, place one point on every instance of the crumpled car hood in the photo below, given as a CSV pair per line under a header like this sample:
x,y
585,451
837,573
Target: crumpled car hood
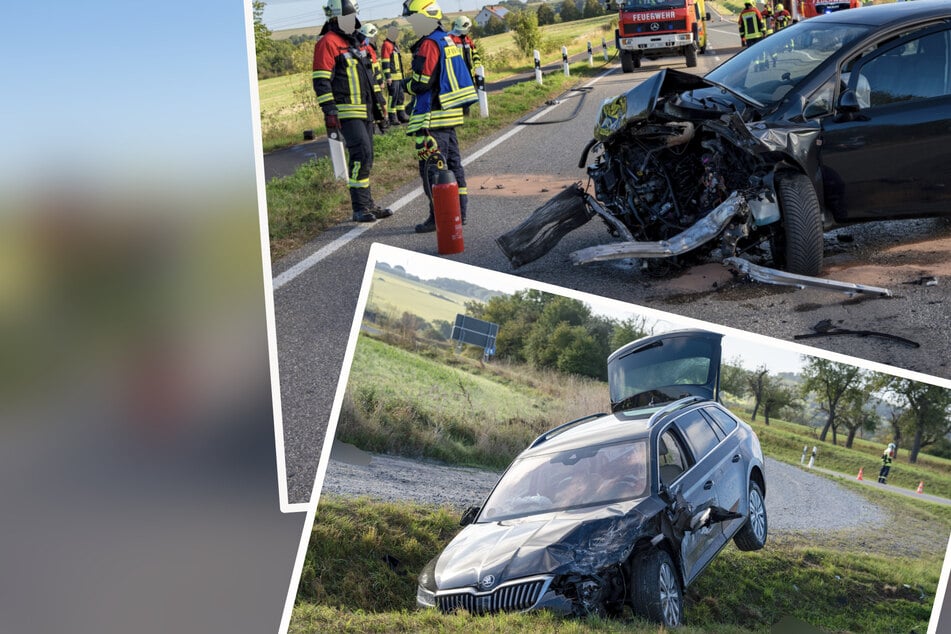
x,y
639,102
581,541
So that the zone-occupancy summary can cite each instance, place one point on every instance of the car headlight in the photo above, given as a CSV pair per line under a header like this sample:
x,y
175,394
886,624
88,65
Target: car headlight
x,y
425,598
426,588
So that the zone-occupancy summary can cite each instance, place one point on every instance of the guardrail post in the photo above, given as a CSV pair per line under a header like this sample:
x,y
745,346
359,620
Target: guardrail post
x,y
337,156
538,67
480,89
564,60
604,46
590,55
812,460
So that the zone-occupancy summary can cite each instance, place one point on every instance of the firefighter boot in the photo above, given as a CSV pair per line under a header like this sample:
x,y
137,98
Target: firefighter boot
x,y
394,120
402,117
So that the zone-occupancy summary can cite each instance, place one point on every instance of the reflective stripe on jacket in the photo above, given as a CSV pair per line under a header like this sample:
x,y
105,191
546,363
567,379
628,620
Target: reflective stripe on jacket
x,y
441,83
342,77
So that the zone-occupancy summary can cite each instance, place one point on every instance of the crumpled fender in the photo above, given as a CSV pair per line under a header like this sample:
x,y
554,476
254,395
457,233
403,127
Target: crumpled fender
x,y
638,103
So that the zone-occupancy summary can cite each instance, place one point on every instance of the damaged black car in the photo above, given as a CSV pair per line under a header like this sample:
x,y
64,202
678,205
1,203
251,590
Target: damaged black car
x,y
838,119
615,510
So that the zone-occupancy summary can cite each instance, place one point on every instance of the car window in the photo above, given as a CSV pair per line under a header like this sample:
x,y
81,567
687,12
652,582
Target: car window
x,y
671,457
723,420
917,69
698,432
768,70
598,474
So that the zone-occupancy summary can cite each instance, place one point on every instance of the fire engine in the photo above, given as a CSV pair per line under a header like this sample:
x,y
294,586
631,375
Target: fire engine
x,y
658,28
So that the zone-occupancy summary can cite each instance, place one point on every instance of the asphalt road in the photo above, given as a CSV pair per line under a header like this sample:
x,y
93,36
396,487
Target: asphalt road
x,y
314,308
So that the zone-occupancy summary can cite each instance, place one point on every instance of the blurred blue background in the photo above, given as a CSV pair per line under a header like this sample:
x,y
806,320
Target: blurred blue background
x,y
137,459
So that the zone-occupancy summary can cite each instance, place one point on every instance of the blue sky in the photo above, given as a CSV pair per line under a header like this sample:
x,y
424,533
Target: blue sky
x,y
124,85
289,14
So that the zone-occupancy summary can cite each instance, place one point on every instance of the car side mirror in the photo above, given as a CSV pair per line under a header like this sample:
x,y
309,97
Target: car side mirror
x,y
814,110
707,16
849,102
701,520
469,515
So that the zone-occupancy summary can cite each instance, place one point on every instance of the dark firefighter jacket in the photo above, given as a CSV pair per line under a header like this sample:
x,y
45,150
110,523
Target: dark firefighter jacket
x,y
343,77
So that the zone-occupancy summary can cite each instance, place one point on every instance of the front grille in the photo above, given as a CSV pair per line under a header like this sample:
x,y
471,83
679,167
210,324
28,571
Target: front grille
x,y
514,597
644,28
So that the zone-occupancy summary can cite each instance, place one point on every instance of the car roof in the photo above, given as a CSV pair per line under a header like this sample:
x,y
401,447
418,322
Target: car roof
x,y
605,429
893,14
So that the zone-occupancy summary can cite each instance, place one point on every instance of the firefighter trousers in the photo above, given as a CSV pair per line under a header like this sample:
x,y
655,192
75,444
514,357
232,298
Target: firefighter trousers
x,y
449,148
395,90
358,134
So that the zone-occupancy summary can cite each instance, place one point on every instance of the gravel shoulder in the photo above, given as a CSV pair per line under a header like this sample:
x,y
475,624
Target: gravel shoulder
x,y
796,500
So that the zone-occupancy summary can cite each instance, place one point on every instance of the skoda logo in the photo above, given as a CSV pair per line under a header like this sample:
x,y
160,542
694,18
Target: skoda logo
x,y
655,26
487,582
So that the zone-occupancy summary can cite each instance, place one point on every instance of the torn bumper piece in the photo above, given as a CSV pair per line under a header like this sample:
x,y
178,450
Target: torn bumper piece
x,y
704,230
781,278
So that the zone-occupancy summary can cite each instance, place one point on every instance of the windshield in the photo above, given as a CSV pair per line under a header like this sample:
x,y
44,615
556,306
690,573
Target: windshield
x,y
569,479
650,5
769,69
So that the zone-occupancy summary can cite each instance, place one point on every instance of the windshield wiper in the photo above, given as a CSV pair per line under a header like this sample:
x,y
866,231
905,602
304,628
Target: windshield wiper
x,y
736,93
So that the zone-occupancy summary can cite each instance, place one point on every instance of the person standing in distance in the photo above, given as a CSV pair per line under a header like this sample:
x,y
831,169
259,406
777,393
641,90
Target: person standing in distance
x,y
441,85
392,62
460,35
343,81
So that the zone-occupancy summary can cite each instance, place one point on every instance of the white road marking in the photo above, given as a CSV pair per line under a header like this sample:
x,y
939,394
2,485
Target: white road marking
x,y
327,250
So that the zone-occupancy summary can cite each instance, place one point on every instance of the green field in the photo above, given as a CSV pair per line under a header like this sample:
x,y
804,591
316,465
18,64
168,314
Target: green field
x,y
453,408
394,294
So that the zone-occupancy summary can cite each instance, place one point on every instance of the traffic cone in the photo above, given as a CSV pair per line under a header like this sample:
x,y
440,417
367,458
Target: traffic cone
x,y
861,469
921,486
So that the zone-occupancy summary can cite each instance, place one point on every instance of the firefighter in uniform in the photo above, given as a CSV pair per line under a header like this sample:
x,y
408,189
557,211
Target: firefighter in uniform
x,y
782,16
752,27
350,99
392,63
441,86
887,456
365,37
460,35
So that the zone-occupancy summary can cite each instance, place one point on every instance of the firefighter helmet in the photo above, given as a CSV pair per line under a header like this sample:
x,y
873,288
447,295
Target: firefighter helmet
x,y
369,31
429,8
461,25
780,7
336,8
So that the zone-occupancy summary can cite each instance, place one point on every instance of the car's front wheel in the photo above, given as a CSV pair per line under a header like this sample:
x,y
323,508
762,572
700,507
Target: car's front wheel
x,y
800,246
753,534
656,592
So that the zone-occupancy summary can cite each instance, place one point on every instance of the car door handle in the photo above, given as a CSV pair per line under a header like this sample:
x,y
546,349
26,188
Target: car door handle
x,y
736,458
708,485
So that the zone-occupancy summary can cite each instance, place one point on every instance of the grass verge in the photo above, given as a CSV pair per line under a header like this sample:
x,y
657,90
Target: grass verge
x,y
363,558
452,408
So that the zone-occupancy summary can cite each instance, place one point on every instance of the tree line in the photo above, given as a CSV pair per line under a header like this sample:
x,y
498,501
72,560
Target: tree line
x,y
851,400
554,332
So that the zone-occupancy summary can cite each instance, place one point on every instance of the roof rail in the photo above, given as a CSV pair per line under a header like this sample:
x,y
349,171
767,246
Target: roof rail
x,y
551,433
672,407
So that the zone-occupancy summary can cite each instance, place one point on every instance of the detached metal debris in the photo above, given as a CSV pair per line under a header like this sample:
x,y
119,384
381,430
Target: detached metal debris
x,y
782,278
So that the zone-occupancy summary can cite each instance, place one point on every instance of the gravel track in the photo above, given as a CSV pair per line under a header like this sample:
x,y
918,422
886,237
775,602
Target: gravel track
x,y
796,500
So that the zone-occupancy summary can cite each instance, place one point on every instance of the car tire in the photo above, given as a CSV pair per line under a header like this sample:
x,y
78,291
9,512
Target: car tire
x,y
753,534
627,62
690,54
656,591
801,242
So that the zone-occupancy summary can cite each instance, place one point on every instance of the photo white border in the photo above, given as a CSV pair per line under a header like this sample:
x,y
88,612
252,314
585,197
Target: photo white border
x,y
473,274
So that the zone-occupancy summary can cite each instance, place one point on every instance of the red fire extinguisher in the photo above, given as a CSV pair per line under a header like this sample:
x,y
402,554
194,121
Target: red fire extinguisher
x,y
446,210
